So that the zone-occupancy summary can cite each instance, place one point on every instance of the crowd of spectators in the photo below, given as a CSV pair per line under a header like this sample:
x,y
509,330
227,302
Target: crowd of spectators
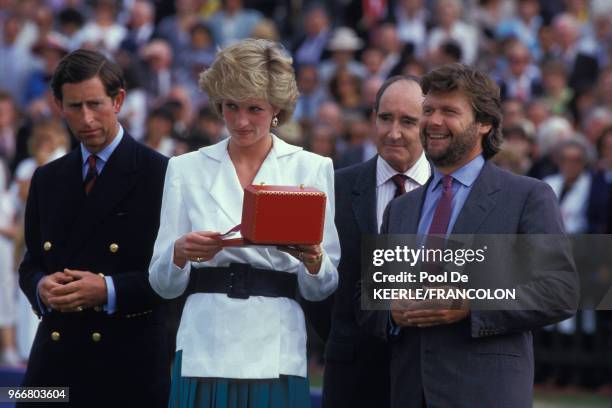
x,y
552,60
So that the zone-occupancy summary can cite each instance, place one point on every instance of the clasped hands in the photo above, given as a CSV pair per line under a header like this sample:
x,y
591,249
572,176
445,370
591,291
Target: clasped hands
x,y
427,313
201,246
72,290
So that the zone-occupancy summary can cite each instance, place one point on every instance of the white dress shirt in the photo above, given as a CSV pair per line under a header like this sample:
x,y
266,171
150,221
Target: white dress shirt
x,y
418,175
106,37
413,29
463,34
7,249
575,203
258,337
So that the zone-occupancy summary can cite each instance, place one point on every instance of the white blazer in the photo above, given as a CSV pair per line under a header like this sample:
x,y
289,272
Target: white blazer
x,y
258,337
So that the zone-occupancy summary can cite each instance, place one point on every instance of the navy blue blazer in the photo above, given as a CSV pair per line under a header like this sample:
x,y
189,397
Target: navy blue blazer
x,y
106,360
485,360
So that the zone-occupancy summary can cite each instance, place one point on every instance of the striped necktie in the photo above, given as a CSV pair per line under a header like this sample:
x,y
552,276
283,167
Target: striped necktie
x,y
92,173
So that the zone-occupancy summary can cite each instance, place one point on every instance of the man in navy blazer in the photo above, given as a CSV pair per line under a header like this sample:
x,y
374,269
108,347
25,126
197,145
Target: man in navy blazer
x,y
465,357
357,363
91,221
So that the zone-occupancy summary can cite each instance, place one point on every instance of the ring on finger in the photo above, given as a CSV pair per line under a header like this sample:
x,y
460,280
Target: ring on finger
x,y
79,308
317,257
313,261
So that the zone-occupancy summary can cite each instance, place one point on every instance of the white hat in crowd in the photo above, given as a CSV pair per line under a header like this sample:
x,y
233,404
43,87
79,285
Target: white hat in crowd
x,y
344,39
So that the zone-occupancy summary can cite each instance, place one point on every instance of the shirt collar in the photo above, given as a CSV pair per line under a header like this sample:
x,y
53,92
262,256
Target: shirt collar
x,y
419,172
105,154
466,174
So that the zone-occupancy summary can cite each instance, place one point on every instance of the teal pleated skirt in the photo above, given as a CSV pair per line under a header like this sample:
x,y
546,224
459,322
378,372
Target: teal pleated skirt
x,y
288,391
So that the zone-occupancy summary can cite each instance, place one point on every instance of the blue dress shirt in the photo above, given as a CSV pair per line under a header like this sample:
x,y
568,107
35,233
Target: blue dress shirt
x,y
463,180
103,155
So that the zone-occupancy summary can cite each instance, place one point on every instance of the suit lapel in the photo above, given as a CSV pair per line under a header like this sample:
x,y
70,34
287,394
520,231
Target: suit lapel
x,y
116,180
364,198
72,189
226,189
70,196
479,202
414,199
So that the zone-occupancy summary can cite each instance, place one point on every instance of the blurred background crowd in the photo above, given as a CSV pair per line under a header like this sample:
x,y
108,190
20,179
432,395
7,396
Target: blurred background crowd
x,y
551,58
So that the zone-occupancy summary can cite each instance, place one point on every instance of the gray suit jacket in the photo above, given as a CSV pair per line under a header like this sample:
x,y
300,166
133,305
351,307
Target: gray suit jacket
x,y
485,360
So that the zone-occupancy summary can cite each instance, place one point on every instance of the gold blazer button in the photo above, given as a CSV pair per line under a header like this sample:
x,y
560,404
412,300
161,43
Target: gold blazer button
x,y
55,336
113,247
47,246
95,336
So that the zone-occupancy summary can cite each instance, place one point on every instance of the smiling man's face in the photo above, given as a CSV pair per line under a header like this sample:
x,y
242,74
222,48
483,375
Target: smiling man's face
x,y
449,133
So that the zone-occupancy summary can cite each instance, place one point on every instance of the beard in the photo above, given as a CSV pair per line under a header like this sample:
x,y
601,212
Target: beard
x,y
460,145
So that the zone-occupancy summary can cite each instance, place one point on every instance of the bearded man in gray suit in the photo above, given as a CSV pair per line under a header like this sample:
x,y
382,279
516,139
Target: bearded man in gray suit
x,y
464,356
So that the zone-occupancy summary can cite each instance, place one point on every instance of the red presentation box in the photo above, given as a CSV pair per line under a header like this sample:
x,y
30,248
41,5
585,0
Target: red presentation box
x,y
283,215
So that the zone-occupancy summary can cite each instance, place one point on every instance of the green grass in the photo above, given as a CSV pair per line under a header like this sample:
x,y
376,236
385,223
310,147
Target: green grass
x,y
581,400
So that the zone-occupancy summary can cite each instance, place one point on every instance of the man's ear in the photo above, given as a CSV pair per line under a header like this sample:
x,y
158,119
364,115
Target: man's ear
x,y
58,103
118,100
484,128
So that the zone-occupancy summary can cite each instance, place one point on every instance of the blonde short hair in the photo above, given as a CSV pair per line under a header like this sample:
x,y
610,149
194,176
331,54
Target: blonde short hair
x,y
252,68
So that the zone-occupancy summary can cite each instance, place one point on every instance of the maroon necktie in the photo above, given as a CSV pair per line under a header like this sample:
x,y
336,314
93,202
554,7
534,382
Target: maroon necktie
x,y
92,173
441,217
400,182
439,225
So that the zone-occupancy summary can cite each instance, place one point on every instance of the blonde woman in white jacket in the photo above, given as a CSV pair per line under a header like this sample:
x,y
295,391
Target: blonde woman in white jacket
x,y
235,352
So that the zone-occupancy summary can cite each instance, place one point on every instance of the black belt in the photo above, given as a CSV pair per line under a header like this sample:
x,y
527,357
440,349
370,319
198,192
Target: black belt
x,y
241,281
